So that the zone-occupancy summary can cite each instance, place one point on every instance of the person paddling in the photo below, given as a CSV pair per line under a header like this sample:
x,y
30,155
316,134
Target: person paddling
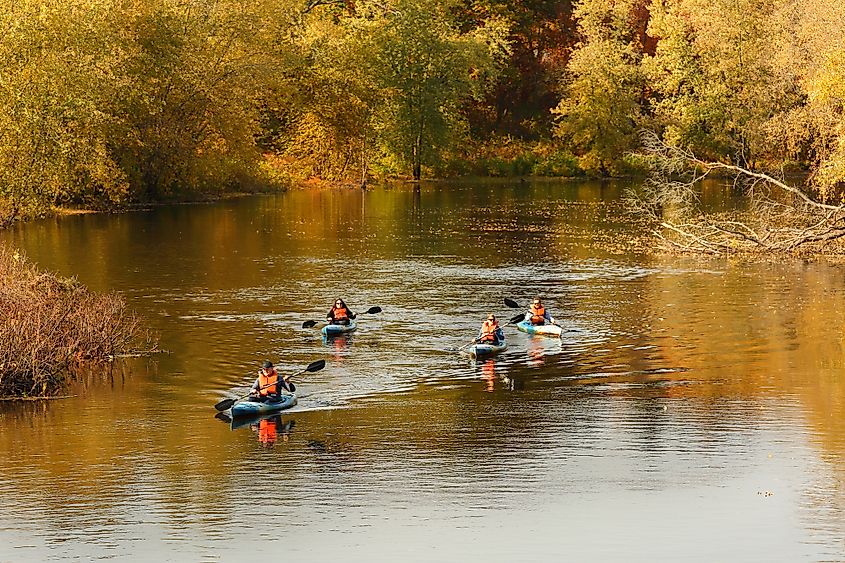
x,y
340,314
268,385
491,332
538,314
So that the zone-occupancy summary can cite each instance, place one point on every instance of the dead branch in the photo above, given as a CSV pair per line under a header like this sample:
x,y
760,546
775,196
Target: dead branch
x,y
779,218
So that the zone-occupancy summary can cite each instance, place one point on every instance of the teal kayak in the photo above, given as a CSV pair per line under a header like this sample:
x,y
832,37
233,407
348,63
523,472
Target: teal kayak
x,y
332,330
253,408
482,350
545,330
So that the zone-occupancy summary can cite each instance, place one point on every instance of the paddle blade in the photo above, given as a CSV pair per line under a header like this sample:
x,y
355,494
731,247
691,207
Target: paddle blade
x,y
511,303
518,318
309,324
225,404
316,366
373,310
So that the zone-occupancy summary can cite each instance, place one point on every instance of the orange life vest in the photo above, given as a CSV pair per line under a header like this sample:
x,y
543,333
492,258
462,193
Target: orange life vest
x,y
340,313
488,331
267,379
538,314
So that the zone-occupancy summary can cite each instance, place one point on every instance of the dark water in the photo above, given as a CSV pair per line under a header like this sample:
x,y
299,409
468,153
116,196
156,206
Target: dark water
x,y
693,410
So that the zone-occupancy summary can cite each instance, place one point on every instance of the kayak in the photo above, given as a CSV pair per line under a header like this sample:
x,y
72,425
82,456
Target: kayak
x,y
332,330
481,350
545,330
251,408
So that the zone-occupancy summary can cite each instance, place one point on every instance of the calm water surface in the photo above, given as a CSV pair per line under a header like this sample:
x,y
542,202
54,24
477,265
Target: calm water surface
x,y
693,410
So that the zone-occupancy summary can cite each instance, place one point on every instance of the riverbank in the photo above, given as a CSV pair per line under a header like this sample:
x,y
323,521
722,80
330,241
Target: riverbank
x,y
53,326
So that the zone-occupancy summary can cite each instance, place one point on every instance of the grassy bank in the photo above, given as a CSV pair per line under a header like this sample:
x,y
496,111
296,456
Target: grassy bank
x,y
54,326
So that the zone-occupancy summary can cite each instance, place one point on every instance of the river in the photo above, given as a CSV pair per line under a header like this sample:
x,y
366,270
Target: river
x,y
693,409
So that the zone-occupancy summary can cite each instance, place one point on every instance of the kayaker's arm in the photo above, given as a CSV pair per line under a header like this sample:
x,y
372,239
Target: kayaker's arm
x,y
284,381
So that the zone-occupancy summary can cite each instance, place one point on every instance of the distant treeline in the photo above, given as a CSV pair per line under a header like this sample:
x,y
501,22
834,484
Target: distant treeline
x,y
104,102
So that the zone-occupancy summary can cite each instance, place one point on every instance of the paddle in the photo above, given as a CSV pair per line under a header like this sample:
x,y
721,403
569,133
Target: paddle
x,y
370,311
226,404
514,320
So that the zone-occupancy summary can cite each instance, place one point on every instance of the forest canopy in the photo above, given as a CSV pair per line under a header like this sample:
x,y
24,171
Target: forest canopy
x,y
105,102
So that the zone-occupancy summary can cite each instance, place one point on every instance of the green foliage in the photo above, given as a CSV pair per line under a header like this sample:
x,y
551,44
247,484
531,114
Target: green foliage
x,y
102,101
510,157
381,86
714,84
601,110
54,68
426,68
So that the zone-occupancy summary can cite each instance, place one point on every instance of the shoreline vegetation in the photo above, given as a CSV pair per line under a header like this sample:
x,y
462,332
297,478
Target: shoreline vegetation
x,y
53,328
107,104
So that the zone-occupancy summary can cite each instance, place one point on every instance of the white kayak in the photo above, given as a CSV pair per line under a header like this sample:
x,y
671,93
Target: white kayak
x,y
545,330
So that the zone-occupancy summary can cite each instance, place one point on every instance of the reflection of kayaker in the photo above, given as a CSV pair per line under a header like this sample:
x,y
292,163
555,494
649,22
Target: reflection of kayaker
x,y
488,373
269,429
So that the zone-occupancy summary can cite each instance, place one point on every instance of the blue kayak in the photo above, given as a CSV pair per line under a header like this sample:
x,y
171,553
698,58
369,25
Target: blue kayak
x,y
481,350
544,329
252,408
333,330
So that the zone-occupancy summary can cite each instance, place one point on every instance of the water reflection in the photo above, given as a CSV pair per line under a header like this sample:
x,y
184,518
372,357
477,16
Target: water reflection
x,y
681,391
269,429
338,345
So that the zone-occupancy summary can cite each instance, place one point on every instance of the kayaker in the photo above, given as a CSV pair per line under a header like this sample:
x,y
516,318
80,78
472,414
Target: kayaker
x,y
537,313
491,332
268,385
340,314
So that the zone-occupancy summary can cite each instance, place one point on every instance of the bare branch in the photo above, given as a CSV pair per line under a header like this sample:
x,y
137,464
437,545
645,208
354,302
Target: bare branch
x,y
778,217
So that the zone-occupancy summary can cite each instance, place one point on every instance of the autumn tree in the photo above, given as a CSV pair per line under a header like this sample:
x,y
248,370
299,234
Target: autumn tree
x,y
428,68
603,93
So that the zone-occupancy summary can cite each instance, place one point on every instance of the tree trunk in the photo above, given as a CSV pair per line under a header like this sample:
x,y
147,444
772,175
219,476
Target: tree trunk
x,y
364,166
417,164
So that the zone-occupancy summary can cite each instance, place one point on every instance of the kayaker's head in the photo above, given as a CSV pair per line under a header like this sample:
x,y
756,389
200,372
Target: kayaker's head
x,y
491,318
339,304
267,364
537,302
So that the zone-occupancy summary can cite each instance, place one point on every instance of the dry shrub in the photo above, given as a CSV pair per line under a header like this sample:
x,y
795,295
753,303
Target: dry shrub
x,y
52,326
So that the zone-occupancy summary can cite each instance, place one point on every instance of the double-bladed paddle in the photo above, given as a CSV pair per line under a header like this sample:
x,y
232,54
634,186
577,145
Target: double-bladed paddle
x,y
514,320
370,311
226,404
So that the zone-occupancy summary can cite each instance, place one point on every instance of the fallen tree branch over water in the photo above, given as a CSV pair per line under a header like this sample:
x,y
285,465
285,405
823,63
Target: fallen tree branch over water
x,y
52,326
777,218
